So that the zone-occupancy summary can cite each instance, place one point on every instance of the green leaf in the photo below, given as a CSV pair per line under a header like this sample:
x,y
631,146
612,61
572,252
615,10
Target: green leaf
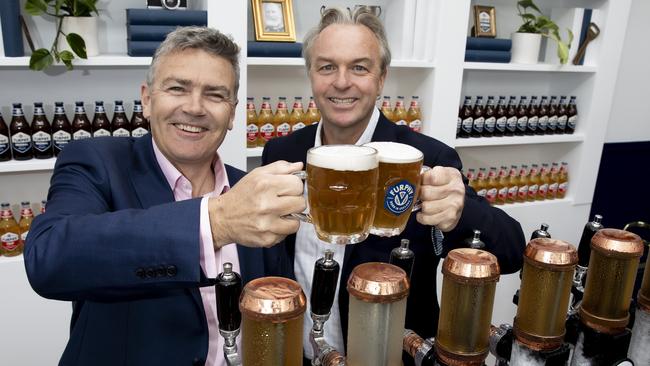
x,y
528,17
68,64
528,4
66,56
35,7
57,6
40,59
89,6
77,44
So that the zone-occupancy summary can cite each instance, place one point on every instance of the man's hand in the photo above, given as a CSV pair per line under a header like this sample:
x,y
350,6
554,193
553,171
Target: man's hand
x,y
251,213
443,197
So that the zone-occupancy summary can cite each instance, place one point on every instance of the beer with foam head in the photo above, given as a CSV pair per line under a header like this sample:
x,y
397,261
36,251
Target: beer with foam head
x,y
397,187
341,182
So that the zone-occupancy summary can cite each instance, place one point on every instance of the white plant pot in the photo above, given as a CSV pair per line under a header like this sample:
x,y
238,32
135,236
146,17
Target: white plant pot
x,y
86,27
525,48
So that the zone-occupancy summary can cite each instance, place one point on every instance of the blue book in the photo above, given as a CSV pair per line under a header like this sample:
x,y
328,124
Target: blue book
x,y
491,44
166,17
148,32
274,49
487,56
142,48
12,35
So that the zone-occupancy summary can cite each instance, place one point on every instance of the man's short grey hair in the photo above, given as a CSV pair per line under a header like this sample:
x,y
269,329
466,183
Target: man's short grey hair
x,y
360,16
201,38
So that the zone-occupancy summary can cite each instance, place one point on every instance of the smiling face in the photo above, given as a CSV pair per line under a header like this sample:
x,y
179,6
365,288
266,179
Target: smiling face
x,y
346,77
190,105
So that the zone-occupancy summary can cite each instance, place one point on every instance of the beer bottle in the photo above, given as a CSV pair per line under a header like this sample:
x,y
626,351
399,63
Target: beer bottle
x,y
552,116
252,131
281,118
471,178
522,191
572,112
533,117
139,124
492,186
414,115
41,133
544,180
120,123
101,124
399,113
466,118
511,114
522,116
21,134
562,115
26,217
265,120
387,109
542,122
501,118
533,182
5,146
513,184
43,203
313,114
81,128
61,128
504,186
563,180
479,120
297,117
481,183
10,243
553,181
490,117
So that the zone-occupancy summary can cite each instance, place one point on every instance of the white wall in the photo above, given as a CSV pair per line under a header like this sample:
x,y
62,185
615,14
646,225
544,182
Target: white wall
x,y
630,115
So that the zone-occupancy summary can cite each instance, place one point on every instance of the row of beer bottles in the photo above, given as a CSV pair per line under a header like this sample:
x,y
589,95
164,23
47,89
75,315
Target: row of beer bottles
x,y
267,125
516,119
14,233
520,184
42,139
400,115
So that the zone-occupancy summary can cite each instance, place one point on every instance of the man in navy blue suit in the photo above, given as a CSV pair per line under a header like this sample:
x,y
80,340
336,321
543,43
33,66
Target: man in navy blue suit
x,y
347,58
135,229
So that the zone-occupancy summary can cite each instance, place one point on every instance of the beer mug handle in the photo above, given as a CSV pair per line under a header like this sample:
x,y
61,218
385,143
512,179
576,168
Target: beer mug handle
x,y
418,203
304,217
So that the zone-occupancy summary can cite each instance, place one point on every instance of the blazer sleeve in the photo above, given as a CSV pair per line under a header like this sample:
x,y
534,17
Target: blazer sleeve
x,y
83,248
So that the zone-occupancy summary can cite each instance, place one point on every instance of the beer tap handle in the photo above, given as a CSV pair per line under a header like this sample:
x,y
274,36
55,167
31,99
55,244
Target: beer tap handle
x,y
228,289
326,275
542,232
403,257
584,247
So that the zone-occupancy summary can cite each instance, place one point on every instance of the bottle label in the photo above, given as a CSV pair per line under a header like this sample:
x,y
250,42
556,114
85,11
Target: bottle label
x,y
297,126
139,132
552,189
482,192
42,141
512,192
561,122
532,123
542,123
501,124
521,123
401,122
61,138
267,131
552,123
21,142
532,190
121,132
491,195
571,122
416,125
283,129
4,144
478,124
81,134
252,132
10,241
511,124
542,190
23,236
101,132
399,197
503,193
458,123
562,187
522,193
467,123
489,124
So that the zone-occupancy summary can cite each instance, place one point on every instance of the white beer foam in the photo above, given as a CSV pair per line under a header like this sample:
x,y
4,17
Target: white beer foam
x,y
394,152
343,157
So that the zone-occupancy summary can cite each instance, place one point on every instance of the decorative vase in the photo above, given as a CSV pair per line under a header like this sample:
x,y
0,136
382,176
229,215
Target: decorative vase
x,y
86,27
525,48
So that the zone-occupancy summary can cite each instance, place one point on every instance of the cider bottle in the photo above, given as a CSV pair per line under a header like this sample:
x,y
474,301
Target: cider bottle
x,y
387,109
61,128
553,183
511,114
481,183
490,117
41,133
544,180
252,131
533,182
542,122
471,178
281,118
479,119
466,117
504,186
533,117
313,114
572,112
5,146
21,134
265,122
501,118
101,124
139,124
81,127
562,115
399,113
26,217
43,203
522,191
297,116
522,116
10,243
492,186
563,180
552,116
414,115
120,124
513,184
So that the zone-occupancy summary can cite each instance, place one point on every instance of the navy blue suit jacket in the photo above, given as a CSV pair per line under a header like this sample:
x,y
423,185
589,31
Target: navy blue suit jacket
x,y
501,233
115,243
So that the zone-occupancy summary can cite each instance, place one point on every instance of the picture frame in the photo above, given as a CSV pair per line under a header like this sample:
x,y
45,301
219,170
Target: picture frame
x,y
485,24
274,20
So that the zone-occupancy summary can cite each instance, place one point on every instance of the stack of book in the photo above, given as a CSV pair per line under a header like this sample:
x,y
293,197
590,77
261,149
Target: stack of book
x,y
274,49
487,50
147,28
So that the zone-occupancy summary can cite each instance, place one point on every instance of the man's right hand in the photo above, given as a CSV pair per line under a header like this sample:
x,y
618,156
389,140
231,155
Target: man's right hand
x,y
252,213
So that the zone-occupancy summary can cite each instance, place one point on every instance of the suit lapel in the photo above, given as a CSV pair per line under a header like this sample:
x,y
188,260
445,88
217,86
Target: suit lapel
x,y
147,178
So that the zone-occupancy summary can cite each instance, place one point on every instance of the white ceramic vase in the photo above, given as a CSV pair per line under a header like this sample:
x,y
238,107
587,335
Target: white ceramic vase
x,y
86,27
525,48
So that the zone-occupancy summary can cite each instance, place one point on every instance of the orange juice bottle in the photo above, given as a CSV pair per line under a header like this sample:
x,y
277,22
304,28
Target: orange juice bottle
x,y
26,218
544,181
265,122
481,183
414,115
313,114
399,113
297,116
513,184
10,243
522,191
493,186
563,180
387,109
281,118
553,184
533,182
252,130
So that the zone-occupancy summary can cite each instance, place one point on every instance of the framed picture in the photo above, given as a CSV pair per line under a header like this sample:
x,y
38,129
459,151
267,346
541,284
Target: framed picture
x,y
485,24
274,20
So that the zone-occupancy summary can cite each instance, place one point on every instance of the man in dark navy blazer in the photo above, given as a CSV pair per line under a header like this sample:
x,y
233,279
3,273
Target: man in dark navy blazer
x,y
347,57
135,229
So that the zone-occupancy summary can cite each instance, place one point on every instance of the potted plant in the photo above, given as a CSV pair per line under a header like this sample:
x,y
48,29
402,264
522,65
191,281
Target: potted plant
x,y
73,19
528,38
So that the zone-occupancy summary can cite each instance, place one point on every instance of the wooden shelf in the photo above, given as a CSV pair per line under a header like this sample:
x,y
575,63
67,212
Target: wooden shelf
x,y
15,166
299,61
528,67
517,140
100,60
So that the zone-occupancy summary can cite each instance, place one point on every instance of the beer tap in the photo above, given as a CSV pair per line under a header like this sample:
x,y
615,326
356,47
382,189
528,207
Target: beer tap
x,y
422,350
228,289
326,274
584,252
501,339
542,232
475,242
403,257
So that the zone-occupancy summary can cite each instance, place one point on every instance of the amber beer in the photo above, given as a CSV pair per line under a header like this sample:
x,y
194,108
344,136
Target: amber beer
x,y
341,181
397,186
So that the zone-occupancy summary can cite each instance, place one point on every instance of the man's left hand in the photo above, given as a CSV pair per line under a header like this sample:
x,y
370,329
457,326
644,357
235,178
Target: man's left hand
x,y
443,197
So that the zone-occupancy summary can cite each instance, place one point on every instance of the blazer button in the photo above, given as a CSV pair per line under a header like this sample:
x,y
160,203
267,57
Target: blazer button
x,y
198,362
171,271
140,272
150,272
161,271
